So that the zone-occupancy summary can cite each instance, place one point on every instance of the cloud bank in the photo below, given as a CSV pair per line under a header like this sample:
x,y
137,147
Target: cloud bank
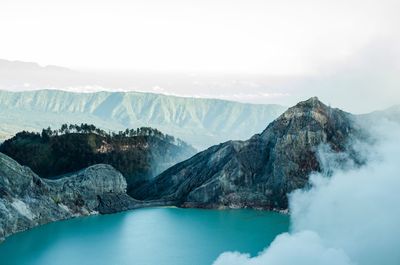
x,y
349,218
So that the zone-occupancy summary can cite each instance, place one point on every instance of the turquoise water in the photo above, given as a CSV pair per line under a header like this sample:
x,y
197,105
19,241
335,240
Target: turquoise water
x,y
153,236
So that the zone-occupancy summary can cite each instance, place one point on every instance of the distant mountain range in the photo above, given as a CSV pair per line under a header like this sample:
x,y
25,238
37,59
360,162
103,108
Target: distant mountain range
x,y
391,114
200,122
18,75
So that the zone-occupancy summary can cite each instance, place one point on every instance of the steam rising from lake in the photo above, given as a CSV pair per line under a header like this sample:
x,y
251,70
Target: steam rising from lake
x,y
351,217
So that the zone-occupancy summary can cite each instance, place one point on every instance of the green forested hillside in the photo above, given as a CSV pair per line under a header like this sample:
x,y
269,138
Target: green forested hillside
x,y
139,154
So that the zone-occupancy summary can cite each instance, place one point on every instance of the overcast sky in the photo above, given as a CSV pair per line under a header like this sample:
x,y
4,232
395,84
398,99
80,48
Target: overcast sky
x,y
313,40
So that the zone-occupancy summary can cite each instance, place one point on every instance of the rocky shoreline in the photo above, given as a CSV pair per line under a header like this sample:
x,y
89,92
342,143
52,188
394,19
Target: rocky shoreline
x,y
27,200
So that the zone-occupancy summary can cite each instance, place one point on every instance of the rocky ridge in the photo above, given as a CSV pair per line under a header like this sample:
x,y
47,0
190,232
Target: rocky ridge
x,y
26,200
259,172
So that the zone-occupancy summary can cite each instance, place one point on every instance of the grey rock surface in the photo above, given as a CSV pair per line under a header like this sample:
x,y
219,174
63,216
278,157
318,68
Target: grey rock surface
x,y
259,172
26,200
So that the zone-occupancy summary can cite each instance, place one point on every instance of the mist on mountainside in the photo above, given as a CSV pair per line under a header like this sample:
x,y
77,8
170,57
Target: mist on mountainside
x,y
346,217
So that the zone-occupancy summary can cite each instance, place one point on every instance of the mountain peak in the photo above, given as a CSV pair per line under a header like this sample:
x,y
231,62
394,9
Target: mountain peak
x,y
261,171
311,103
311,109
312,99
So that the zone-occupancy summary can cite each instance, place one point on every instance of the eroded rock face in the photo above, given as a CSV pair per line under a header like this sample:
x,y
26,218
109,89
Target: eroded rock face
x,y
27,200
261,171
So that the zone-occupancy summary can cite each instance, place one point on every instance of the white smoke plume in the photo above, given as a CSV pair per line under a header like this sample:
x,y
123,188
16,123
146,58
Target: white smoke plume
x,y
351,217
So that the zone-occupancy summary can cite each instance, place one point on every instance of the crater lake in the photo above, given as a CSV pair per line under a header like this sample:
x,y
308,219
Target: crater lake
x,y
151,236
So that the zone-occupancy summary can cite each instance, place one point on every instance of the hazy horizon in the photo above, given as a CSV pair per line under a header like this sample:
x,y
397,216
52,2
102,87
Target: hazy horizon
x,y
263,52
338,88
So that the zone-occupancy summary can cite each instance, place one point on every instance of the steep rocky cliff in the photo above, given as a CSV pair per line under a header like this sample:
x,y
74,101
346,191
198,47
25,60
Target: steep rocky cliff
x,y
26,200
261,171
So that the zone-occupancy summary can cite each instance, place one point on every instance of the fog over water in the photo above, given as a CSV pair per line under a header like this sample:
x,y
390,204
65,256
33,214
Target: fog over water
x,y
351,217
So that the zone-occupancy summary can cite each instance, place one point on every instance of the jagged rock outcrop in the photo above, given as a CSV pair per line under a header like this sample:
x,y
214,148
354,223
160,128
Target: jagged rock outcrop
x,y
261,171
26,200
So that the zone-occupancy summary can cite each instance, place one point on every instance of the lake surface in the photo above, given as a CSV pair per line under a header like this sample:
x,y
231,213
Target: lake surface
x,y
152,236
